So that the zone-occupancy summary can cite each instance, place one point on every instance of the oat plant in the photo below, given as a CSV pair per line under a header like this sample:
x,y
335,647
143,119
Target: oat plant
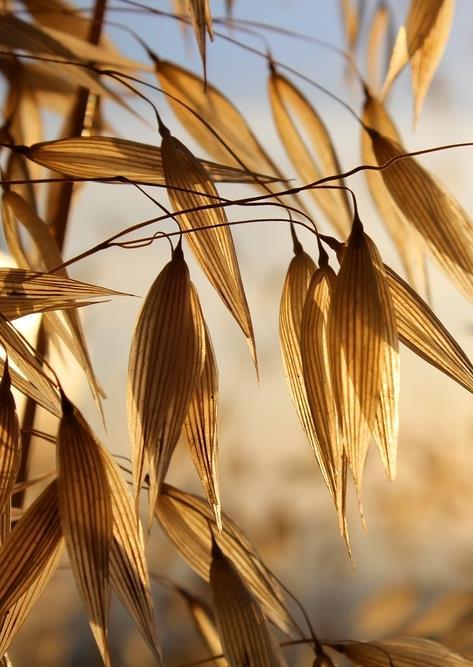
x,y
343,310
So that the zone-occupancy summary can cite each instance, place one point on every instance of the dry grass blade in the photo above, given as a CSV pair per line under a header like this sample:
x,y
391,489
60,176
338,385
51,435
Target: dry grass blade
x,y
27,362
202,20
98,157
310,165
27,551
404,237
200,427
242,627
421,330
29,389
421,41
86,517
189,523
24,292
128,570
361,330
316,374
166,361
10,447
444,227
403,652
19,612
50,257
17,34
218,112
213,248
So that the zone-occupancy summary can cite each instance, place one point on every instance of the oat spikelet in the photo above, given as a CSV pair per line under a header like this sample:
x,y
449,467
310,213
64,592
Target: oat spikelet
x,y
86,517
190,523
287,104
316,374
28,549
361,330
111,157
421,330
409,246
166,360
128,570
202,20
190,186
445,229
241,624
421,41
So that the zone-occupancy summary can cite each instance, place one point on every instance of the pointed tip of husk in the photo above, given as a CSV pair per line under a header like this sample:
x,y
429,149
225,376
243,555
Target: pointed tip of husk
x,y
296,244
217,510
254,357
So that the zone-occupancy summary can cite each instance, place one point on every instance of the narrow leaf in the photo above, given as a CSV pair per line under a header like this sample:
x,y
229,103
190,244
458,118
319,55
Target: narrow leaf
x,y
27,362
213,247
30,389
189,523
242,627
86,517
50,258
18,34
24,292
110,158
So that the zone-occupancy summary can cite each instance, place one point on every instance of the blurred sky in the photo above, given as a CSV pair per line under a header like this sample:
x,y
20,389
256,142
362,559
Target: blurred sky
x,y
418,526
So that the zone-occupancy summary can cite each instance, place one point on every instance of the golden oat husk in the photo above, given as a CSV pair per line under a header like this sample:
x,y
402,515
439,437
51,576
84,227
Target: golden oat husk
x,y
363,349
434,215
166,360
86,517
189,186
200,427
189,523
241,624
288,104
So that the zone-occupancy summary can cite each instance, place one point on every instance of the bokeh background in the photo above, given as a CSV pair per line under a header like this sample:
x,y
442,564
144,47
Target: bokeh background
x,y
419,543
